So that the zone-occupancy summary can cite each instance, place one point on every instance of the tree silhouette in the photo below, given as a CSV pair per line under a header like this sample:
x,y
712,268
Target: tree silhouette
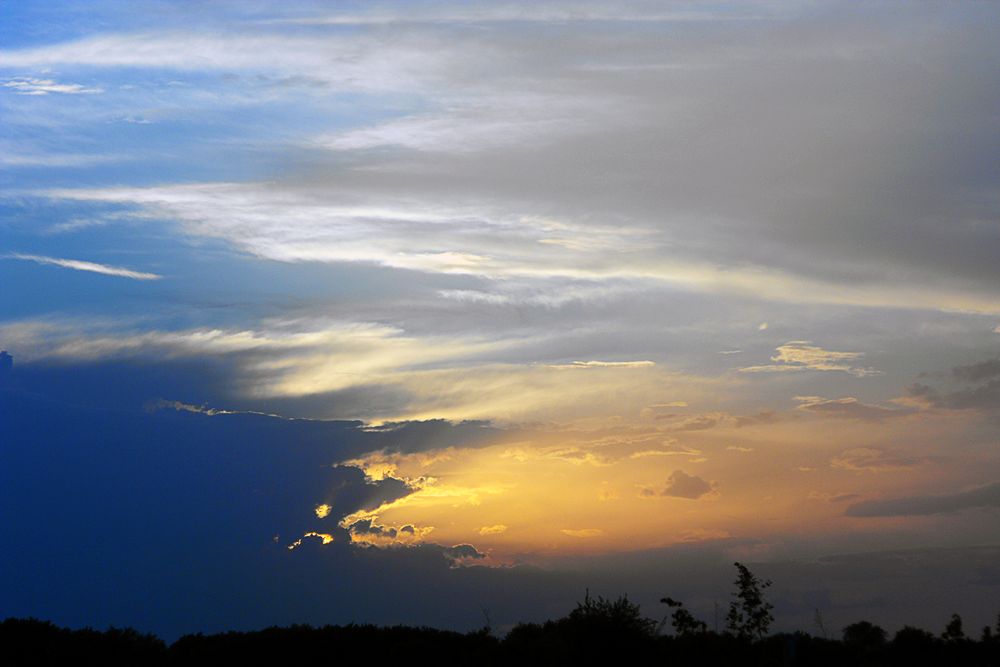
x,y
685,624
864,636
953,632
749,614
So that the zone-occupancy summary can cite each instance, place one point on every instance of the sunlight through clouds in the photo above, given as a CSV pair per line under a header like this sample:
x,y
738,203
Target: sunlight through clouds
x,y
365,303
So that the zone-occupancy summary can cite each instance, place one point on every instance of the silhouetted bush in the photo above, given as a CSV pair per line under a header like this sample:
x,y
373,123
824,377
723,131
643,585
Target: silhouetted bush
x,y
597,630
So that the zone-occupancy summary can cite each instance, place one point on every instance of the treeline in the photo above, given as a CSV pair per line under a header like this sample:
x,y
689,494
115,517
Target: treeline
x,y
597,631
569,640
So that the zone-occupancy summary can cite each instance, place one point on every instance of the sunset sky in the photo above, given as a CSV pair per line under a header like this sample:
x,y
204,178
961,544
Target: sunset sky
x,y
403,311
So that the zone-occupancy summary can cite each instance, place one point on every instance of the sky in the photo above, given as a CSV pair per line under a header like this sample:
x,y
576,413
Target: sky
x,y
427,312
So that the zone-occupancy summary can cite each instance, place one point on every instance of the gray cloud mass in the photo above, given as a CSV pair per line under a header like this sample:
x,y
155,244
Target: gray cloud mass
x,y
985,496
817,147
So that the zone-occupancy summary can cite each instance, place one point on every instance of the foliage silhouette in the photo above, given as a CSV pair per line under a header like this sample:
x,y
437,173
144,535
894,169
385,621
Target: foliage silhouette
x,y
865,635
684,622
597,631
953,632
749,614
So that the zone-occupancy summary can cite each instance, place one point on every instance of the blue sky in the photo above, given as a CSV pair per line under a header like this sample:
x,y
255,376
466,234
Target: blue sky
x,y
715,281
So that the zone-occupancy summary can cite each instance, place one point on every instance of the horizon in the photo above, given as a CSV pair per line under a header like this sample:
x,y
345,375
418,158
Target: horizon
x,y
386,311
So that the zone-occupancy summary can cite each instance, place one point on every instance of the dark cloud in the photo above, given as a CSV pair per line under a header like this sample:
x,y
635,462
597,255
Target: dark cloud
x,y
107,509
984,370
682,485
984,496
461,553
367,528
354,492
206,384
985,398
981,396
418,436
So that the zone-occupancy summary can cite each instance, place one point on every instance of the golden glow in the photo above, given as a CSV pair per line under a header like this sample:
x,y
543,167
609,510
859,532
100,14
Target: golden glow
x,y
393,536
325,538
493,530
608,485
322,511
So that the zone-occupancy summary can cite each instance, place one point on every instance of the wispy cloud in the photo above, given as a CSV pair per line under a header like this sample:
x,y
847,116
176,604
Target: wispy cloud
x,y
873,459
607,364
848,407
477,236
81,265
521,12
16,160
46,86
556,114
801,355
493,530
582,532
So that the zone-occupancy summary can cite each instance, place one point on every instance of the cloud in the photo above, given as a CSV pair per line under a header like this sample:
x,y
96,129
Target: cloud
x,y
582,532
367,533
80,265
984,370
294,223
11,159
848,407
762,417
360,68
180,406
699,423
801,355
290,358
984,496
520,12
324,538
703,535
462,554
460,131
315,367
682,485
983,395
863,227
668,451
833,497
31,86
872,459
493,530
606,364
